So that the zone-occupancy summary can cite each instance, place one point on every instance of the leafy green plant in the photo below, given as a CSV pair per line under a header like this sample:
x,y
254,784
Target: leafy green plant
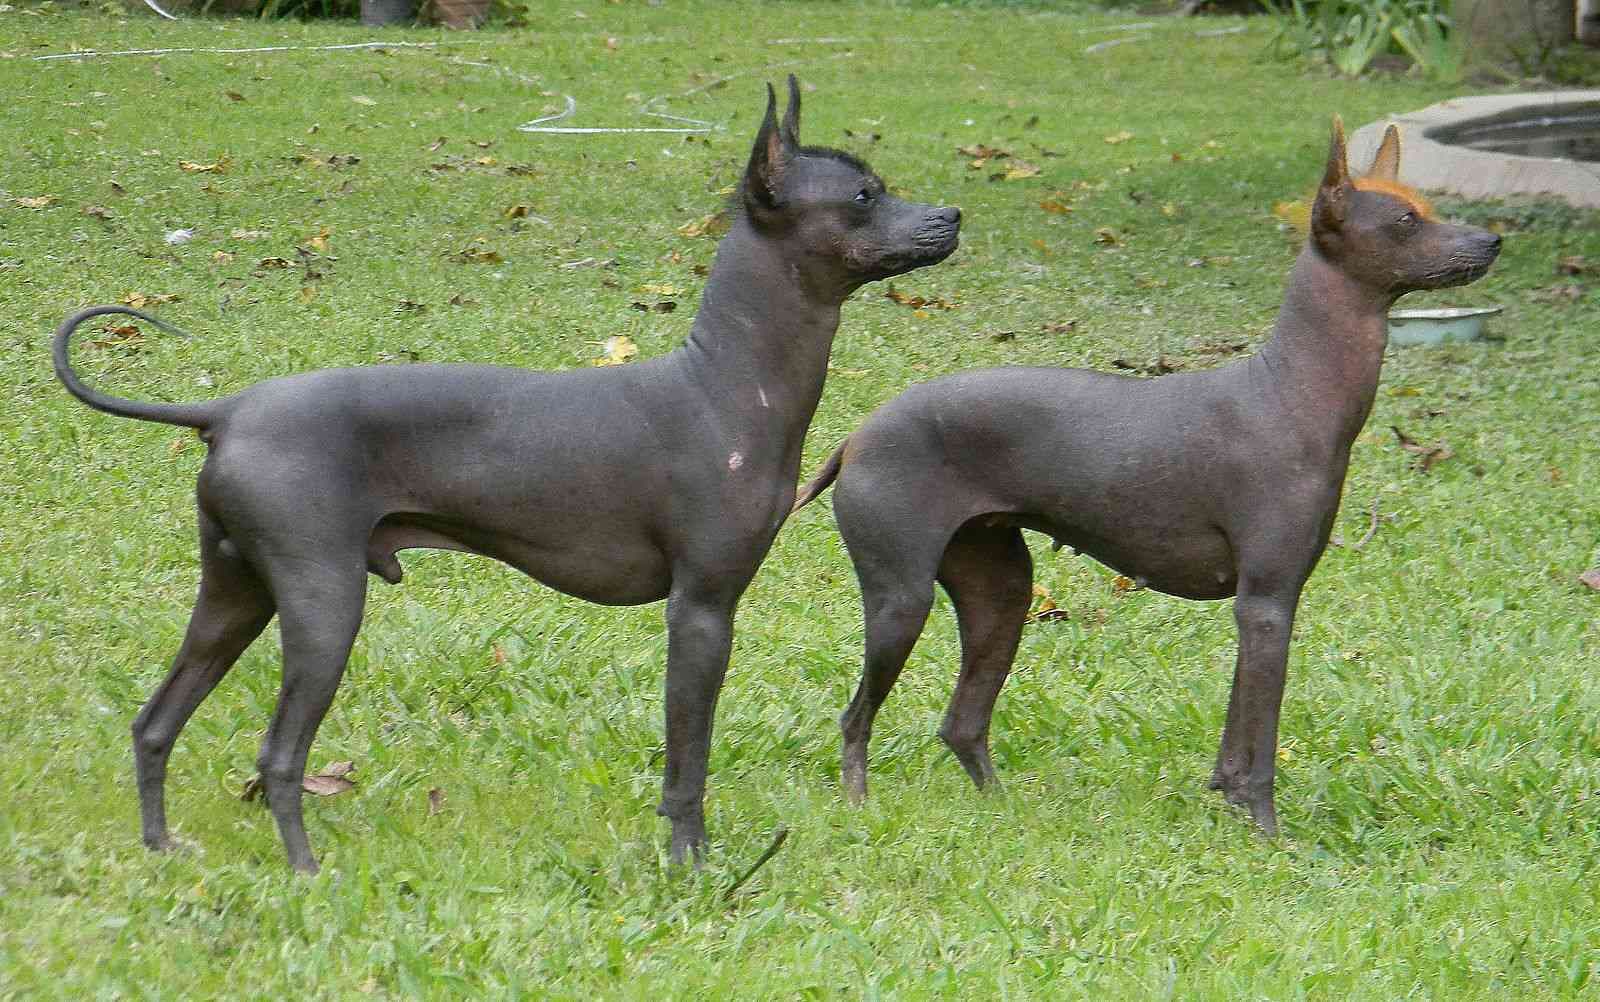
x,y
1349,34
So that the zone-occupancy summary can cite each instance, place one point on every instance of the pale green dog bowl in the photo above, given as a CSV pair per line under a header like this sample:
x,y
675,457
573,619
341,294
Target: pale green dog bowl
x,y
1408,327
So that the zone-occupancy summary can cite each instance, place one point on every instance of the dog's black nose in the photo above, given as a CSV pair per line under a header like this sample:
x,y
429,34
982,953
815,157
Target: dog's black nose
x,y
948,214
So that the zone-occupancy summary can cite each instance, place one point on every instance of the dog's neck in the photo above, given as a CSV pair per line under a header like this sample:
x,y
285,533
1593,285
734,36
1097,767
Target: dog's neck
x,y
760,342
1326,347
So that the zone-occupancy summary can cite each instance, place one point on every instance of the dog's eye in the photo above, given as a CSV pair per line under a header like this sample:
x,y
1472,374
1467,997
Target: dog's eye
x,y
864,197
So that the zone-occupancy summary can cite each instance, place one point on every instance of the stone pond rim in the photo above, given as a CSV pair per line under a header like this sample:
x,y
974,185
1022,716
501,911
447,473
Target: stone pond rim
x,y
1432,164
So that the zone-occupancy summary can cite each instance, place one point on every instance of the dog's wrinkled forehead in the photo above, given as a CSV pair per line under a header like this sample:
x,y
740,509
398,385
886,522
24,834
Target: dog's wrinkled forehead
x,y
1404,195
819,172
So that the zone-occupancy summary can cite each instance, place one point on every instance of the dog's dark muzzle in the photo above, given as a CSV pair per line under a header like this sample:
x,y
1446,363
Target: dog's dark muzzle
x,y
939,234
1471,262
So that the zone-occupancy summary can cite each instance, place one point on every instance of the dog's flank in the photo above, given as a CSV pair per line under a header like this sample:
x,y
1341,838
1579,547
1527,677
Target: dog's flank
x,y
1204,485
314,480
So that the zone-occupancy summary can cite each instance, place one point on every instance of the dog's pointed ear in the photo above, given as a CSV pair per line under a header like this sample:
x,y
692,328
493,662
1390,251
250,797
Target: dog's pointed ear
x,y
1327,212
768,158
791,116
1386,164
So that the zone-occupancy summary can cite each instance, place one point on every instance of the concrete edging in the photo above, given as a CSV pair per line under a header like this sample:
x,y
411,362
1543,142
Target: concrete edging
x,y
1456,170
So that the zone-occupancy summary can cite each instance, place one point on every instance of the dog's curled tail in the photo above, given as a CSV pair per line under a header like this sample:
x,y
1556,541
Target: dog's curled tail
x,y
195,415
824,478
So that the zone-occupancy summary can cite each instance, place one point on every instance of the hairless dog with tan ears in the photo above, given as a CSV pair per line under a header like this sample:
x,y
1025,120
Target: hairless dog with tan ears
x,y
1204,485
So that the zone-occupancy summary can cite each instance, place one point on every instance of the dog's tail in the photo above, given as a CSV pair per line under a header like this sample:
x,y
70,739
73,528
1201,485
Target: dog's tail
x,y
194,415
824,478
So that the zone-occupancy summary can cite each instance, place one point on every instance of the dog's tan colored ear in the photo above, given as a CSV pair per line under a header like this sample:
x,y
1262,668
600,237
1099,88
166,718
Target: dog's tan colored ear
x,y
1327,212
1386,164
1337,173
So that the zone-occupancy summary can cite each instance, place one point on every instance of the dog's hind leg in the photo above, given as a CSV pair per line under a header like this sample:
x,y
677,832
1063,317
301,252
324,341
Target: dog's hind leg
x,y
232,609
320,596
989,575
896,572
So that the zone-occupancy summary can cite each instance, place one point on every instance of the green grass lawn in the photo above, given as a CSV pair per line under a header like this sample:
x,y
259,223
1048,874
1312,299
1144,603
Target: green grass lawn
x,y
1439,786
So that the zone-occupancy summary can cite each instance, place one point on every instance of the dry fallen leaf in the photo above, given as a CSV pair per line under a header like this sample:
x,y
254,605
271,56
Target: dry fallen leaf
x,y
477,255
1105,235
233,95
515,212
917,302
1055,206
712,225
1018,170
619,348
126,336
1295,214
435,801
194,167
1428,456
664,306
1046,611
362,99
1059,326
1574,264
140,300
1590,578
1119,137
36,202
274,262
99,212
331,780
221,257
659,289
1122,584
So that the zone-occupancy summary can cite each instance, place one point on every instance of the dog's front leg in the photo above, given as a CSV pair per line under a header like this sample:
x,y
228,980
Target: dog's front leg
x,y
1247,760
699,639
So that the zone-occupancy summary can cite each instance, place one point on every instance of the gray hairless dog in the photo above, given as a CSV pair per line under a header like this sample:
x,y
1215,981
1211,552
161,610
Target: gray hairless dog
x,y
1203,485
664,479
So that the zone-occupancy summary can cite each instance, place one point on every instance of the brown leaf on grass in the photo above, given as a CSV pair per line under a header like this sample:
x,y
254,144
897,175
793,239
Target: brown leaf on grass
x,y
140,300
1046,611
1160,367
434,146
1561,292
240,234
1224,346
477,255
1055,206
1122,584
664,306
981,155
233,95
459,300
1018,170
221,257
1575,264
1106,236
917,302
619,348
274,262
515,212
194,167
1428,456
125,336
712,225
308,293
252,789
1118,137
1590,578
332,161
332,780
411,306
99,212
435,801
1059,326
36,201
